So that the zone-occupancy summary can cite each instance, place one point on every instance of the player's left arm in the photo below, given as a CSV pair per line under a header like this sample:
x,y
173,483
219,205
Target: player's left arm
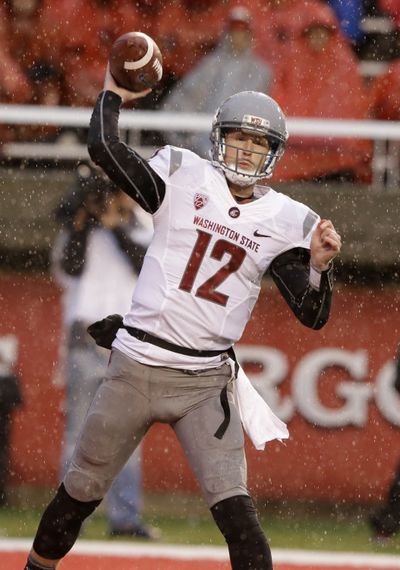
x,y
305,277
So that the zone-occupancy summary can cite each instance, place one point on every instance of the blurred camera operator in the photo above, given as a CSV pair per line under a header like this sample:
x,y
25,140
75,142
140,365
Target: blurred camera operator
x,y
96,260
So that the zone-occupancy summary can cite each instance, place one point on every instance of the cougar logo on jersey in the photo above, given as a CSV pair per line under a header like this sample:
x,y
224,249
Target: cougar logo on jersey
x,y
234,212
200,200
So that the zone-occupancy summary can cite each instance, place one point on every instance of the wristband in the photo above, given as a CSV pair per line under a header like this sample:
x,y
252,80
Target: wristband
x,y
315,278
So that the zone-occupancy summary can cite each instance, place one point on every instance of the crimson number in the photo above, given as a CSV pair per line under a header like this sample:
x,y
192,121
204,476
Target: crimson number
x,y
208,289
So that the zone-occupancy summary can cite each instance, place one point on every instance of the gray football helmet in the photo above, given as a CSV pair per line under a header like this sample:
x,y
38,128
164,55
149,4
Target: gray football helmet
x,y
252,112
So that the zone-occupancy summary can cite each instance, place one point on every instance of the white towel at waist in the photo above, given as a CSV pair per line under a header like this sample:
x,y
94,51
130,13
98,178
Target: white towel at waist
x,y
258,420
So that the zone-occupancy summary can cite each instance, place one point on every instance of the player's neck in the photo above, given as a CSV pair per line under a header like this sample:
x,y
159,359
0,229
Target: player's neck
x,y
241,193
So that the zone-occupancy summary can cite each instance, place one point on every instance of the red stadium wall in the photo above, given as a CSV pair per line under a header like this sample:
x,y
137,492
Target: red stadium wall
x,y
333,387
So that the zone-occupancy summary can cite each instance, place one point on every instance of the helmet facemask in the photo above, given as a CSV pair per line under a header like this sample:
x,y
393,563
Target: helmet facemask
x,y
265,161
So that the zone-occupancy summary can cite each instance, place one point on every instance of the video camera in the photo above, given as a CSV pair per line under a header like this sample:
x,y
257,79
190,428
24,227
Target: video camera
x,y
90,190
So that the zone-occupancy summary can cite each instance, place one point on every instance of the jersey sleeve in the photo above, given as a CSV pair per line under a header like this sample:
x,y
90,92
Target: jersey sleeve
x,y
309,300
169,160
291,274
305,221
125,167
159,162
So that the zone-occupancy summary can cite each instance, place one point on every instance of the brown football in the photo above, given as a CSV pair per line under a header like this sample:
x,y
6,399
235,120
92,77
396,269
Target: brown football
x,y
135,61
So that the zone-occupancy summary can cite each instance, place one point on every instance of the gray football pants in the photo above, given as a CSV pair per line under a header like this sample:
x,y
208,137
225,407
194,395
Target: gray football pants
x,y
132,398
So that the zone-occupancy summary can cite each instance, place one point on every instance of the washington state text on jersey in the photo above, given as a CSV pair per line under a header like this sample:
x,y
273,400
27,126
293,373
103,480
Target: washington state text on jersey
x,y
227,232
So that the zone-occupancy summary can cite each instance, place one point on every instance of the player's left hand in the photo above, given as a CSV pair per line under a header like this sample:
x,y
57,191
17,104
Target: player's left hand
x,y
325,245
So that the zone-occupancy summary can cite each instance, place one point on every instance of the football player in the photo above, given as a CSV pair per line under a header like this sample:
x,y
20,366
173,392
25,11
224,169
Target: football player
x,y
218,228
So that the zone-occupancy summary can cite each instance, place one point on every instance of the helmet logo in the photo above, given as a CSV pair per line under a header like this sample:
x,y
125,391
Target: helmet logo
x,y
199,200
252,120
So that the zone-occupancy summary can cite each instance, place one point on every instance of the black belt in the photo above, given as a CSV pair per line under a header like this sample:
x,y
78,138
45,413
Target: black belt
x,y
147,337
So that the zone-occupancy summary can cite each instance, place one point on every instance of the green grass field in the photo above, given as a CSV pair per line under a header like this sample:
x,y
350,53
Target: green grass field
x,y
185,520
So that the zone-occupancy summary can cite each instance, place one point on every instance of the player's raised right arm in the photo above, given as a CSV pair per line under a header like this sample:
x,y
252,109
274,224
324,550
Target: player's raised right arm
x,y
121,163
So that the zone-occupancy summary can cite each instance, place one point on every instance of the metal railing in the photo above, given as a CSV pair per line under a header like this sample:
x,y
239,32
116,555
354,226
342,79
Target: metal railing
x,y
385,134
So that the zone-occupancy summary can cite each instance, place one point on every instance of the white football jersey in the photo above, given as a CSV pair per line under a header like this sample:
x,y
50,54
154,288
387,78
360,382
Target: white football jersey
x,y
202,272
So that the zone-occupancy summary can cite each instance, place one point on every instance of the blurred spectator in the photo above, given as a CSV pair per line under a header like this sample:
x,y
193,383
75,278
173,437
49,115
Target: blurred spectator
x,y
88,31
45,82
14,85
391,7
82,35
186,31
83,43
321,80
28,72
92,27
385,523
231,67
10,399
141,15
275,25
386,106
96,260
349,14
26,34
166,35
386,94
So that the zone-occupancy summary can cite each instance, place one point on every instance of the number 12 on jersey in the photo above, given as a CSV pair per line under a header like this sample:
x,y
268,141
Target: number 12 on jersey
x,y
208,290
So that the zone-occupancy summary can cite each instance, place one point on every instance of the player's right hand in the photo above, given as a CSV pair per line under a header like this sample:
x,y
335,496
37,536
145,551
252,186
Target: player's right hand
x,y
325,245
126,96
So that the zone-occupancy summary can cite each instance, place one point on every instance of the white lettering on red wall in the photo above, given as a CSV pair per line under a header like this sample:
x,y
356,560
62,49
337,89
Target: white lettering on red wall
x,y
356,391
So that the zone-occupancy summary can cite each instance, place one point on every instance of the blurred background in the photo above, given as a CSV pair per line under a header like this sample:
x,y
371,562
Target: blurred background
x,y
334,67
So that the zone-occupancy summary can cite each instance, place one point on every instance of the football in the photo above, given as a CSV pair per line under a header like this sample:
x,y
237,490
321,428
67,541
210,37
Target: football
x,y
135,61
